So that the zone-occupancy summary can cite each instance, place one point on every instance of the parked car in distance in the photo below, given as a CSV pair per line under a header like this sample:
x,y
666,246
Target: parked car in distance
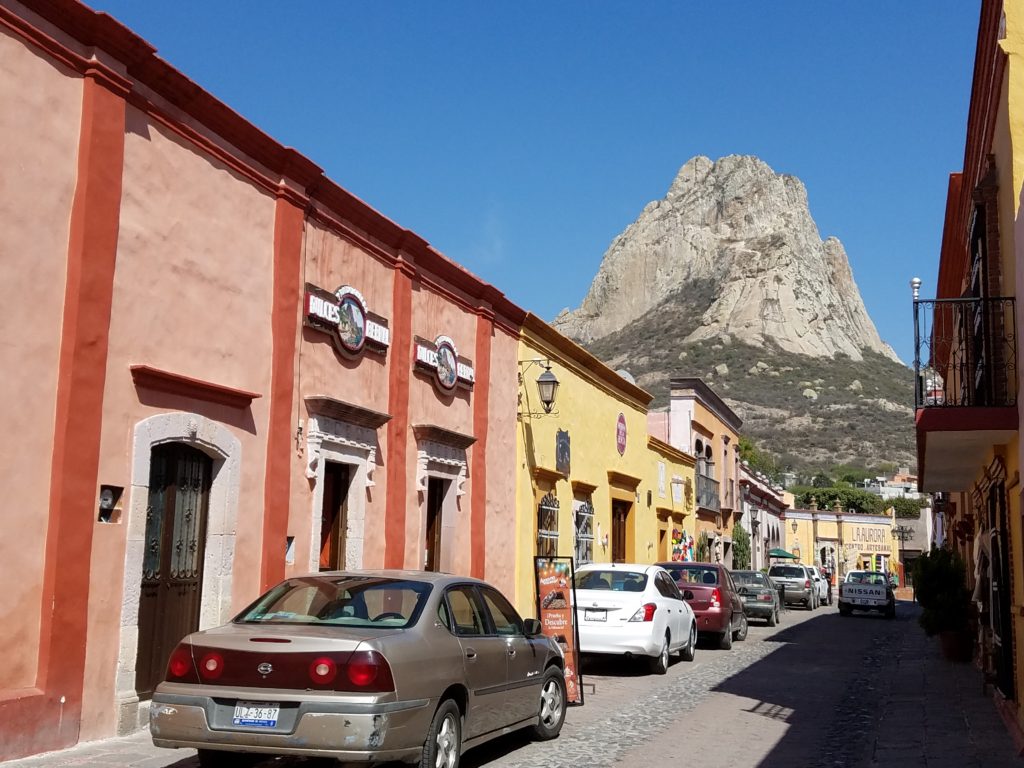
x,y
759,594
633,610
363,667
800,587
824,593
867,591
715,602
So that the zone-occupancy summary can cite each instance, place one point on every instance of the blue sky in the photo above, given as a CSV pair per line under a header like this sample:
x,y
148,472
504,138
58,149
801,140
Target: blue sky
x,y
520,139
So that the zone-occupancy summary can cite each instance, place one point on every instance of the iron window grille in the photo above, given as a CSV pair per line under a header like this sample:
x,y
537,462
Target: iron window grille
x,y
583,515
547,526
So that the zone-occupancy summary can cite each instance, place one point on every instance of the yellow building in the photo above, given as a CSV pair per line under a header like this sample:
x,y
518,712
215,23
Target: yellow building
x,y
591,483
966,359
841,541
699,422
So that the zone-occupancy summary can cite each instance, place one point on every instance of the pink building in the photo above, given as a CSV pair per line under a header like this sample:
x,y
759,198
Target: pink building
x,y
220,368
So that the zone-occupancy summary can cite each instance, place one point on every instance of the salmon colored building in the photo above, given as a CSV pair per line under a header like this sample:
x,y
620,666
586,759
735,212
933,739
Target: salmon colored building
x,y
221,369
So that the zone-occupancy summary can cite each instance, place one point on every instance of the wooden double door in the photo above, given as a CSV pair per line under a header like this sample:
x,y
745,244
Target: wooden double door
x,y
620,519
172,564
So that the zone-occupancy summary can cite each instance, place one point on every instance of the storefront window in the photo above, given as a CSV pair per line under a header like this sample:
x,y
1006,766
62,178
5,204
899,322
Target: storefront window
x,y
583,512
547,526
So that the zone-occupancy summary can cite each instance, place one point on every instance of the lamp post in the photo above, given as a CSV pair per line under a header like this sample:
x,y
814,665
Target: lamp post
x,y
902,533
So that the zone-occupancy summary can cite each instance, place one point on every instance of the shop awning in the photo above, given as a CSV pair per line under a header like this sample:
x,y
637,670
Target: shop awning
x,y
781,553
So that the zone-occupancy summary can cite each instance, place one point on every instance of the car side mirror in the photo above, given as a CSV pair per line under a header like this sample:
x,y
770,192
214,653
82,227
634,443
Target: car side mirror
x,y
531,627
687,595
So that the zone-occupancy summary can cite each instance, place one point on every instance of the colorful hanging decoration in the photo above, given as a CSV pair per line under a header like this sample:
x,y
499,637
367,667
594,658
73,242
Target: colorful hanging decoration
x,y
682,546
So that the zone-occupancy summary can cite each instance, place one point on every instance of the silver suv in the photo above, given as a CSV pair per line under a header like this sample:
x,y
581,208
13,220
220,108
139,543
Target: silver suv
x,y
799,583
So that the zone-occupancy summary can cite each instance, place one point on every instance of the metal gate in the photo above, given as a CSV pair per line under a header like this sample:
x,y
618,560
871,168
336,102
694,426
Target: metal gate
x,y
172,565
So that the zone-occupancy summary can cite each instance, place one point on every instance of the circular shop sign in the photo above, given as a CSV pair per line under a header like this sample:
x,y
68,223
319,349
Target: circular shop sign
x,y
352,324
447,364
620,435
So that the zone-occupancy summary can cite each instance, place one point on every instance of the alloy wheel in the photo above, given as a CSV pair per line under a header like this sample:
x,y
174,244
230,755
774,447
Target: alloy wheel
x,y
551,703
447,744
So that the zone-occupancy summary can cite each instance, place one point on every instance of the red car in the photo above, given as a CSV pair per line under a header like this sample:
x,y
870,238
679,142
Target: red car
x,y
716,603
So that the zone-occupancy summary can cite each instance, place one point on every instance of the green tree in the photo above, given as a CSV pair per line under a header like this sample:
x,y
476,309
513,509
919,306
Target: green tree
x,y
740,548
848,498
908,508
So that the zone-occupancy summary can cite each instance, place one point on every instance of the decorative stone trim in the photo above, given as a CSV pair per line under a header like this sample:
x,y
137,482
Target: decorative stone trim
x,y
447,456
220,444
339,433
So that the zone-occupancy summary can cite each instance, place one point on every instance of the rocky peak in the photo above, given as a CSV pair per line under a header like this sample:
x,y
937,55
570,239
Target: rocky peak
x,y
745,235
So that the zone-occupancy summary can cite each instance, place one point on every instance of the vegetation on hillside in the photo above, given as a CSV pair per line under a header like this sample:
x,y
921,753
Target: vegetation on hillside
x,y
805,413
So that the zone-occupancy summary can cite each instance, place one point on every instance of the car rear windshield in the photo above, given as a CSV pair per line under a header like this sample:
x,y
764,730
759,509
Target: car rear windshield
x,y
865,577
787,572
612,580
694,574
346,601
749,577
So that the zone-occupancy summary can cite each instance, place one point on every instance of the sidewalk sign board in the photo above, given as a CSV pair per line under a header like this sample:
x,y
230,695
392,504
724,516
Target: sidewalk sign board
x,y
556,601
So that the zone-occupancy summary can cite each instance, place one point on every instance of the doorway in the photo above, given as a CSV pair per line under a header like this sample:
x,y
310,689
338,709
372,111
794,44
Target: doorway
x,y
334,516
437,489
172,566
620,515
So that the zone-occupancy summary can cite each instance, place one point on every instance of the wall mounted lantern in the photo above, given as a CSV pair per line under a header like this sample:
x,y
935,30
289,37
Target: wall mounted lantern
x,y
547,383
793,526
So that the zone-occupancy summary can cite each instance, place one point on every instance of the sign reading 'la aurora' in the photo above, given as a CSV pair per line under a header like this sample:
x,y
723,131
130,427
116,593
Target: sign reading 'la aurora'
x,y
343,314
441,357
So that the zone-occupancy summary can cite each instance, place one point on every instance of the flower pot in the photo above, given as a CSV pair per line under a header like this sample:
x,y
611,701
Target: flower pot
x,y
957,645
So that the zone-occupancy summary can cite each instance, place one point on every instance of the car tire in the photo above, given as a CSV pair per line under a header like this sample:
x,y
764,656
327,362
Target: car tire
x,y
890,612
725,640
659,663
552,705
844,611
443,745
690,649
773,618
741,633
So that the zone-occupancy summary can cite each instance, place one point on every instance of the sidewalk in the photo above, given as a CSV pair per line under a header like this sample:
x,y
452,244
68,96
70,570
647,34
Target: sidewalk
x,y
935,713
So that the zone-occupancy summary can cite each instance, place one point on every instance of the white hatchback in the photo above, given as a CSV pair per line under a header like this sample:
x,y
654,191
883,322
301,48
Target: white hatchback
x,y
633,610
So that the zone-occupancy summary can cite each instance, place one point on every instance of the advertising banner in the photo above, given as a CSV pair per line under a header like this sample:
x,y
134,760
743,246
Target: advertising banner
x,y
556,601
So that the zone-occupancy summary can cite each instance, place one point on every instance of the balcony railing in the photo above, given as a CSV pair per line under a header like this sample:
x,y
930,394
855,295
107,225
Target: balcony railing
x,y
707,493
965,352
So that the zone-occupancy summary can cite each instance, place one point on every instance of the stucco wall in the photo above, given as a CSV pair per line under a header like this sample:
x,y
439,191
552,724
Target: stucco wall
x,y
39,155
192,296
329,262
435,315
500,554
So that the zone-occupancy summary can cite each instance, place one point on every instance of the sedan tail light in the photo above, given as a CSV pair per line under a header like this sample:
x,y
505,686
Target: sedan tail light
x,y
716,598
646,612
765,596
361,671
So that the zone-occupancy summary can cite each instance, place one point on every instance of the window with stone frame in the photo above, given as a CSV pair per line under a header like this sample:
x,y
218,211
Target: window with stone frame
x,y
547,526
583,519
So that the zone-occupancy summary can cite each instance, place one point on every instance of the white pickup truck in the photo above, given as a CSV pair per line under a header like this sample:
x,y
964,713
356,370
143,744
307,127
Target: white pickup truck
x,y
867,591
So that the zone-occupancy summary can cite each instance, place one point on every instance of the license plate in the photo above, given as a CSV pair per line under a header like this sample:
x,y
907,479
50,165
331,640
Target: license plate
x,y
257,714
595,615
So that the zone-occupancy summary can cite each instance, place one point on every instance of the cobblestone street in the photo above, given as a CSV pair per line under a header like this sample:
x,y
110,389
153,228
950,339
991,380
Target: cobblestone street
x,y
819,690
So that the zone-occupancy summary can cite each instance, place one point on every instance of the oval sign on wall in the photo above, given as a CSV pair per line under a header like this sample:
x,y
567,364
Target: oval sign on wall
x,y
620,435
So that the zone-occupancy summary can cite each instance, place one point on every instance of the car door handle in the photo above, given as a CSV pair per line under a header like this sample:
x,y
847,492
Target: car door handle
x,y
470,654
511,651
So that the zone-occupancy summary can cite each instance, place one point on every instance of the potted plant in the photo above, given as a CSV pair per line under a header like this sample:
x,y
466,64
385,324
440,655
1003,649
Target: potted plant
x,y
940,579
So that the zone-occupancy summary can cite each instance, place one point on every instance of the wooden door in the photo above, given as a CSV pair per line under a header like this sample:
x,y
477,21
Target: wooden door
x,y
620,513
334,516
172,565
435,507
